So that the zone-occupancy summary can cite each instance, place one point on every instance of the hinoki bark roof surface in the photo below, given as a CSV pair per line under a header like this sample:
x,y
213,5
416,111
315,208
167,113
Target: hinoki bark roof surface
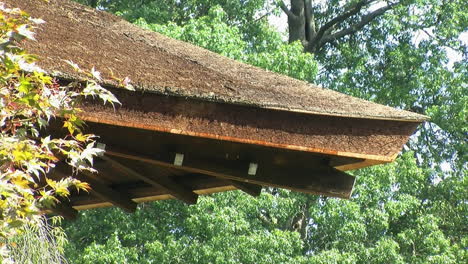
x,y
162,65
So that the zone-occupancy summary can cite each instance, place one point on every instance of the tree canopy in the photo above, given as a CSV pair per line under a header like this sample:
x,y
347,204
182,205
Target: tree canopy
x,y
414,210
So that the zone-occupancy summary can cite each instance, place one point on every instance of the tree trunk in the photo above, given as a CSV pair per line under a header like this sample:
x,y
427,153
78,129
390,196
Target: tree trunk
x,y
302,24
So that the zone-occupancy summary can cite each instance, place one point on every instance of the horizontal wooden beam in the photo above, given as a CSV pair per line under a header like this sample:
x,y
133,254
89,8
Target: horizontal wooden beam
x,y
317,179
117,198
177,190
143,192
65,210
335,161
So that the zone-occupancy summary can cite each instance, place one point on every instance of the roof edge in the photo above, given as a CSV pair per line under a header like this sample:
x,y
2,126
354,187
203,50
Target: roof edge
x,y
373,157
169,91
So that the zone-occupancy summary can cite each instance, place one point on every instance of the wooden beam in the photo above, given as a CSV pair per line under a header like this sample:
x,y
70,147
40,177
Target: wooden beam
x,y
336,161
118,198
106,193
249,188
65,210
358,165
142,192
171,187
318,179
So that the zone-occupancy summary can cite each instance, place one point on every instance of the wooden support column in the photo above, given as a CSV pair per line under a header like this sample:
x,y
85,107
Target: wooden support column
x,y
317,179
178,191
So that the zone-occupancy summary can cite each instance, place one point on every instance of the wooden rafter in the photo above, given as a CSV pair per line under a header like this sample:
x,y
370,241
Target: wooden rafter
x,y
252,189
143,192
321,179
117,198
177,190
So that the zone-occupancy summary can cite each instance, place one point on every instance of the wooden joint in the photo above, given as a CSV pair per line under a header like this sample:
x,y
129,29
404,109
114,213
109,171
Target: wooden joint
x,y
117,198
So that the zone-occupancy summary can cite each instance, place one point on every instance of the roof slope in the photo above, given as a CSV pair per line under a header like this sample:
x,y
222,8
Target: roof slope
x,y
163,65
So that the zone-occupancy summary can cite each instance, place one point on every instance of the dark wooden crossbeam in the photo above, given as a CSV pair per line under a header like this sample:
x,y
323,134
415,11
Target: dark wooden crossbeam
x,y
315,179
65,210
140,189
252,189
171,187
117,198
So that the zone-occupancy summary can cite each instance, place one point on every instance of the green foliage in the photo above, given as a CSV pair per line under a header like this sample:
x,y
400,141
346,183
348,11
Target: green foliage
x,y
171,232
389,212
179,12
39,243
382,223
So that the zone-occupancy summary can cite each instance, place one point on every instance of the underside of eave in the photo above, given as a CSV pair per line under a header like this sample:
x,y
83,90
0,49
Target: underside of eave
x,y
84,205
128,177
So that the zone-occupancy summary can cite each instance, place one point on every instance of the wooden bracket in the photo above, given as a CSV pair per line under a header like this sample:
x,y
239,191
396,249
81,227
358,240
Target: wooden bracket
x,y
106,193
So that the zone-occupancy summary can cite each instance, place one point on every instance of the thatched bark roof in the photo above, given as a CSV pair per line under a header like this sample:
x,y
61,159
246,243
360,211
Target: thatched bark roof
x,y
162,65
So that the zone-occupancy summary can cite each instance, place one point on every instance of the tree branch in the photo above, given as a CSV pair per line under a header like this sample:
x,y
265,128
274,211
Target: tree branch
x,y
306,212
339,19
354,28
285,9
